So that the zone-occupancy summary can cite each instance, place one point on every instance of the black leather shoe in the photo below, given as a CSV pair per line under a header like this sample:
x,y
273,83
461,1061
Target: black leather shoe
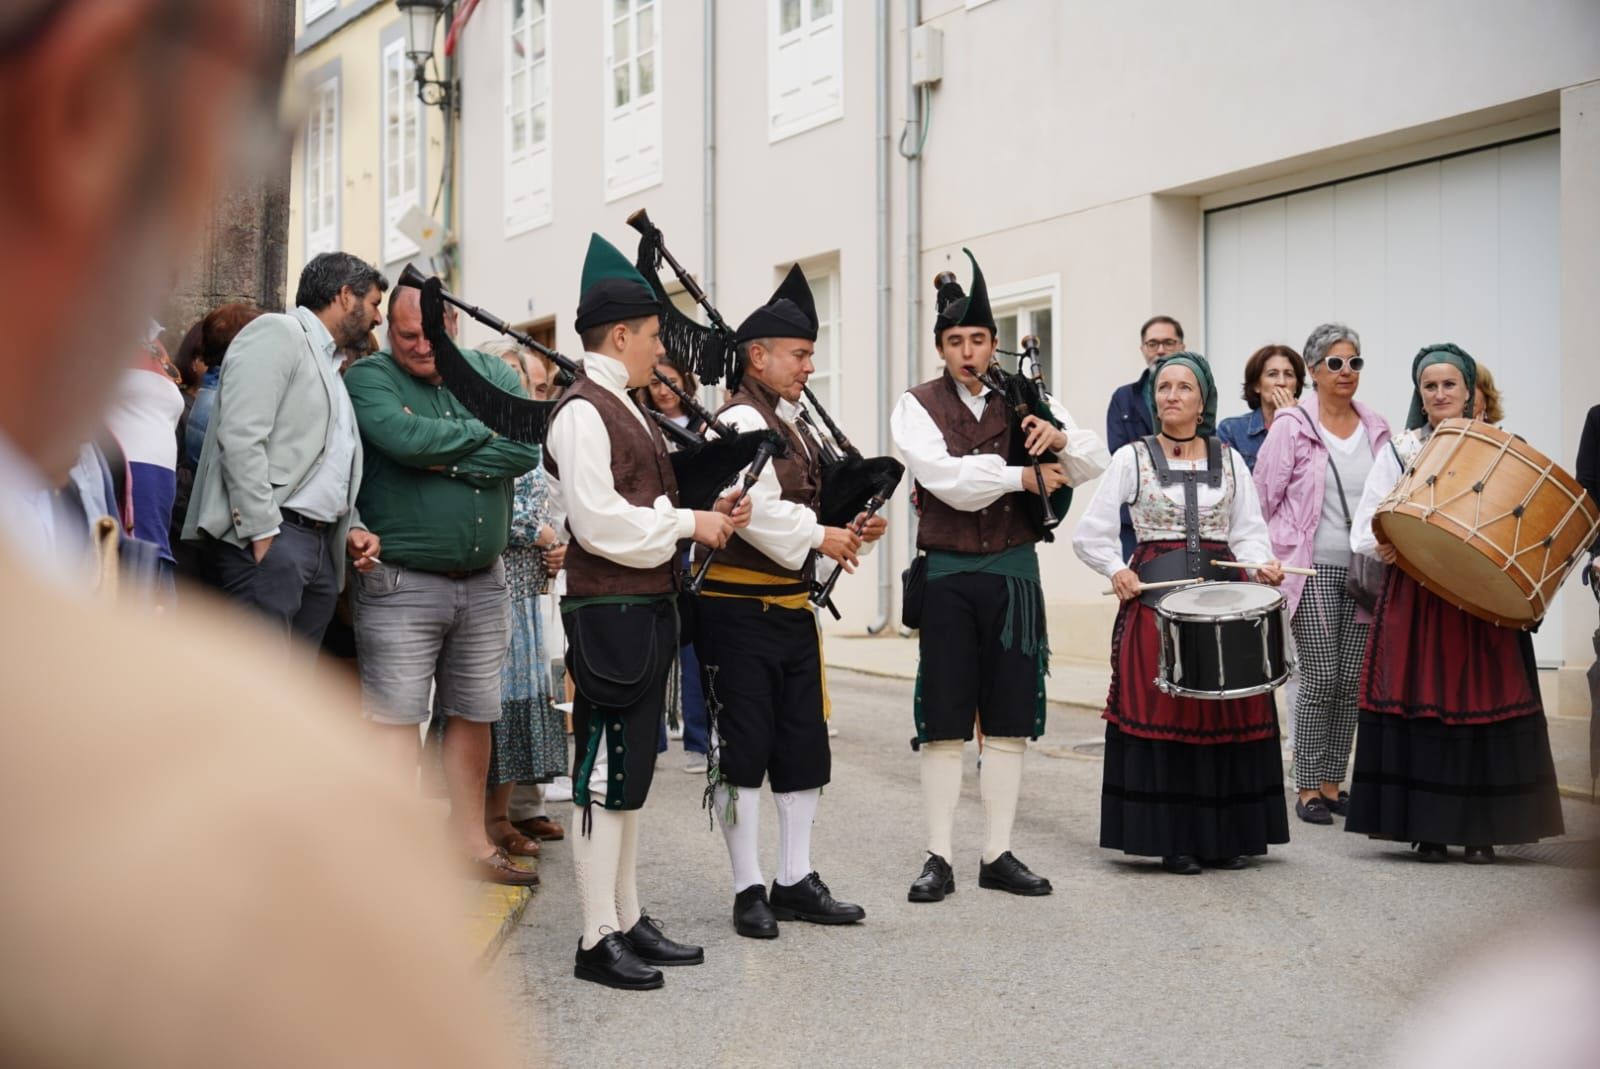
x,y
752,917
1340,806
613,963
1006,873
1181,865
1479,855
936,881
1433,853
1314,810
810,900
1227,864
654,948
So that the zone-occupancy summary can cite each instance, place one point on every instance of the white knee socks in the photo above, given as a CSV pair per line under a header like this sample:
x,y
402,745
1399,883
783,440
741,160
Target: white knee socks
x,y
797,811
999,785
742,834
628,911
596,858
941,790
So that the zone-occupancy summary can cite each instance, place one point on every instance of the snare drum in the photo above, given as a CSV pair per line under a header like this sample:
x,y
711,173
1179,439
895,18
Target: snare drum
x,y
1223,640
1488,523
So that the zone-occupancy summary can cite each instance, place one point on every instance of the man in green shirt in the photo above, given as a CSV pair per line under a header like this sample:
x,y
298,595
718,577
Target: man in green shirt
x,y
434,614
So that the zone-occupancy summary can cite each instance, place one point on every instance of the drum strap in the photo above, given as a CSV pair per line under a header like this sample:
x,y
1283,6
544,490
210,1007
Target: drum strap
x,y
1194,563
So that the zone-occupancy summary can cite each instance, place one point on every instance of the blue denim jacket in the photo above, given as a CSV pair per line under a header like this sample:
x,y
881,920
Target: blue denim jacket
x,y
194,435
1128,420
1244,434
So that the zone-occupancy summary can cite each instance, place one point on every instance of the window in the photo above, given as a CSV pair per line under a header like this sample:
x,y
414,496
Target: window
x,y
1026,308
633,96
527,132
315,9
805,65
322,169
825,380
402,149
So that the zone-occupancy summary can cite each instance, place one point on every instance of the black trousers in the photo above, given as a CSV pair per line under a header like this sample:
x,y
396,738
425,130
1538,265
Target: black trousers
x,y
762,673
295,585
965,675
619,657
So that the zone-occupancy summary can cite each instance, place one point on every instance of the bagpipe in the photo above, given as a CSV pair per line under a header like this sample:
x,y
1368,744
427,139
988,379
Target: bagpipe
x,y
704,467
1025,395
851,483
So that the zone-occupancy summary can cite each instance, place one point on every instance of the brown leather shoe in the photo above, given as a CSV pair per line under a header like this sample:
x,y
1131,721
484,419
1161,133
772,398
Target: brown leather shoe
x,y
540,828
511,841
497,868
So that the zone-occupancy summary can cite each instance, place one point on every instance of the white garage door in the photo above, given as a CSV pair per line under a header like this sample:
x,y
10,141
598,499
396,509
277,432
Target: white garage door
x,y
1462,249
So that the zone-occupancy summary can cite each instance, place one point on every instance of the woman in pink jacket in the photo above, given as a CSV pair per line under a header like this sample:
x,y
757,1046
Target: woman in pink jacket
x,y
1309,476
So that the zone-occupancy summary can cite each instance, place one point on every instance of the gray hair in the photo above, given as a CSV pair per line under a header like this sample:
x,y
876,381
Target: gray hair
x,y
744,348
1326,337
331,272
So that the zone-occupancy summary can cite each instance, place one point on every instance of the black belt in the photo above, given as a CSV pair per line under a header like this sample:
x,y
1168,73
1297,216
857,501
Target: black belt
x,y
460,573
295,519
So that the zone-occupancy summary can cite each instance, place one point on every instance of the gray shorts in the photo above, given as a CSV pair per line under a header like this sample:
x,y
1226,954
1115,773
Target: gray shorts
x,y
416,630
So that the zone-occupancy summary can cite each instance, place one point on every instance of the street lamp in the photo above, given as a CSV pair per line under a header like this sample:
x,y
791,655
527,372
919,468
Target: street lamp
x,y
422,20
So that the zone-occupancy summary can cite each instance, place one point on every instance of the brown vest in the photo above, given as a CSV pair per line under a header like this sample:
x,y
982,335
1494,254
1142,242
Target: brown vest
x,y
799,478
1005,523
641,473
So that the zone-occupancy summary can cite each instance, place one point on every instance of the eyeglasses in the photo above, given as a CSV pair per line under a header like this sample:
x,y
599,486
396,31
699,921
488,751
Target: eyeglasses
x,y
1337,363
1157,345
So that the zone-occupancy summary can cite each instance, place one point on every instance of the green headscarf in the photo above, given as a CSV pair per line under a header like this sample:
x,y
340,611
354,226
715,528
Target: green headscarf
x,y
1208,390
1443,353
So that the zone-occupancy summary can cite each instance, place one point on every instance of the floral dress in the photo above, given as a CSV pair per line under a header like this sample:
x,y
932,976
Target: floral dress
x,y
530,741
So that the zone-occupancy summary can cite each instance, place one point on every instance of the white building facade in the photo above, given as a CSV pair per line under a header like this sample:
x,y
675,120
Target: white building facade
x,y
1425,171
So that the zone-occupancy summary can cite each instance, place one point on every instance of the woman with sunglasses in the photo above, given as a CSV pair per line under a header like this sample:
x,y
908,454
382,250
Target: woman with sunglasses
x,y
1309,474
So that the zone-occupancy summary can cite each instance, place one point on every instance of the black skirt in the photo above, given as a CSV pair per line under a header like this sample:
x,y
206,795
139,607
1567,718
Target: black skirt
x,y
1162,798
1422,780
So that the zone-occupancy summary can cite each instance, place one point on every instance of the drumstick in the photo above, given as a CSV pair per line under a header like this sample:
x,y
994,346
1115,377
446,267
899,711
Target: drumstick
x,y
1167,585
1287,569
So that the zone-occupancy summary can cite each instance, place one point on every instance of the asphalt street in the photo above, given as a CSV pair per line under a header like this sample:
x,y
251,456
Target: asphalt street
x,y
1309,958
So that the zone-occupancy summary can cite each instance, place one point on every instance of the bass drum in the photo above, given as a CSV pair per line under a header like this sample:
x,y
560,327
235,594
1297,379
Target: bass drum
x,y
1488,523
1222,641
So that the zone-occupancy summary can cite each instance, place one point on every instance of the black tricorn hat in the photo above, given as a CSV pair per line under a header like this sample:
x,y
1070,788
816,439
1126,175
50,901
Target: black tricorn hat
x,y
789,313
957,308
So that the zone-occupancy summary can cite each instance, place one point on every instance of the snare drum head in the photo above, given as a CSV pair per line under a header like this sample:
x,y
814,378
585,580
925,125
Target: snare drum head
x,y
1220,599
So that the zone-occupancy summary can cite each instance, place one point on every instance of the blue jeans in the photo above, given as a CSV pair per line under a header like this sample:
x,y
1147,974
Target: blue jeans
x,y
696,730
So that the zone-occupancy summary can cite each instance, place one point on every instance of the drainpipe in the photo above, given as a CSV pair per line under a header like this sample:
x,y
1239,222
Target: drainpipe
x,y
913,136
885,304
708,211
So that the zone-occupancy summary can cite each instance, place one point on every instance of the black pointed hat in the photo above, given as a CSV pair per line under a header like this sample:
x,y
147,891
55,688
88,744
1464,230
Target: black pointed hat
x,y
612,288
957,308
789,313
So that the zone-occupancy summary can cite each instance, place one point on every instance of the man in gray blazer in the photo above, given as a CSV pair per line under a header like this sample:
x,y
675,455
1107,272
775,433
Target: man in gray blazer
x,y
273,505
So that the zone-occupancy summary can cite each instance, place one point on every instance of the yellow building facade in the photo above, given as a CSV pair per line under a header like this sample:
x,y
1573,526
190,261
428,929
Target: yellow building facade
x,y
367,150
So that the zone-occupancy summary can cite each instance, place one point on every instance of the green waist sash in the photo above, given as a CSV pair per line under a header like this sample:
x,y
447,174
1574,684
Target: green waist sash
x,y
1019,565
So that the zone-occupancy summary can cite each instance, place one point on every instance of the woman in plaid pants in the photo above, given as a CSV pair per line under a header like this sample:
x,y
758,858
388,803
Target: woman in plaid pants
x,y
1309,475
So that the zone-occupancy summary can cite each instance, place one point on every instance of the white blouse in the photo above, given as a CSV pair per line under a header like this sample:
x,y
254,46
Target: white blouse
x,y
1098,538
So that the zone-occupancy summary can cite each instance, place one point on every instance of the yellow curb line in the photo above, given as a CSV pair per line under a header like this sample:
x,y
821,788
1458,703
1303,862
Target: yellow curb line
x,y
1575,793
491,924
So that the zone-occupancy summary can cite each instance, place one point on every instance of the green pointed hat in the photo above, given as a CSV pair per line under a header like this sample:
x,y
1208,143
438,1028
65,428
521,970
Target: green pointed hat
x,y
612,288
958,308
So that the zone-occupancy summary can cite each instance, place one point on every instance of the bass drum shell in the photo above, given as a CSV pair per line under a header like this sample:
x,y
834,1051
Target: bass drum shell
x,y
1222,641
1488,523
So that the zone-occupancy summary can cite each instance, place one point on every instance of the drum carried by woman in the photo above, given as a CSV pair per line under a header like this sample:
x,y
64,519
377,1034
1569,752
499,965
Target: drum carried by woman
x,y
1453,746
1190,779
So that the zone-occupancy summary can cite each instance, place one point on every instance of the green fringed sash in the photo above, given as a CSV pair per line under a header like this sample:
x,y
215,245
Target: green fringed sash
x,y
1024,627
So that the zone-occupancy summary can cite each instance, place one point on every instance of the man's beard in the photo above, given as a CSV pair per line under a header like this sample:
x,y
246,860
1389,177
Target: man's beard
x,y
354,328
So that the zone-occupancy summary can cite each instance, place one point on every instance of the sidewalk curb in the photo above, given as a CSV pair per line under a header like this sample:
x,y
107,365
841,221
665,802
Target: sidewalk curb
x,y
499,910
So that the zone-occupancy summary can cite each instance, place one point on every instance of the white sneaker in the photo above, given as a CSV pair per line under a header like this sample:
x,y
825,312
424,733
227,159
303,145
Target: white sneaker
x,y
558,789
694,762
565,707
833,732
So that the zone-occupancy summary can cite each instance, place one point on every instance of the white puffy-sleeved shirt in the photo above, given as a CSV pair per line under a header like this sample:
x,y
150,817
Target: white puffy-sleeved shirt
x,y
1098,538
976,481
599,517
786,531
1387,468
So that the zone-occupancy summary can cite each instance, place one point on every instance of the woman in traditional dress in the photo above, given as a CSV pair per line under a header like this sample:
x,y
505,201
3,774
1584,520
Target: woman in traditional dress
x,y
1191,781
530,740
1453,748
